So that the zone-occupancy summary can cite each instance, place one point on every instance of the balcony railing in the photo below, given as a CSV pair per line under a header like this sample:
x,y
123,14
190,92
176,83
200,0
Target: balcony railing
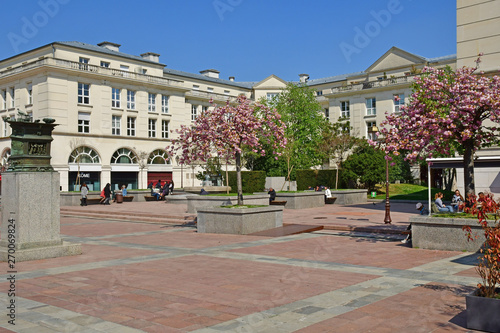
x,y
90,68
374,84
210,95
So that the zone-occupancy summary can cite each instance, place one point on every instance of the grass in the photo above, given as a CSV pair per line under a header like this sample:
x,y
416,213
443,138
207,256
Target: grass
x,y
409,192
243,206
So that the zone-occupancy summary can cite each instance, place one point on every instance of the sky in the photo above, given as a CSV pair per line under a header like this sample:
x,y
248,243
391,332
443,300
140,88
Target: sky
x,y
248,39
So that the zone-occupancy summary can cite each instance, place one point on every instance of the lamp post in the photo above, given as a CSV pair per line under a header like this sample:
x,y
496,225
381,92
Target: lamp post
x,y
177,158
387,219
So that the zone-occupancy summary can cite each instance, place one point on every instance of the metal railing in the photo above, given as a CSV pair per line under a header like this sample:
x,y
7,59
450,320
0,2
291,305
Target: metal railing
x,y
375,84
90,68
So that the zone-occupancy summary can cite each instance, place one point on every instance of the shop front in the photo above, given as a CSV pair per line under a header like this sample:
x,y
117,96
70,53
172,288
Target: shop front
x,y
88,174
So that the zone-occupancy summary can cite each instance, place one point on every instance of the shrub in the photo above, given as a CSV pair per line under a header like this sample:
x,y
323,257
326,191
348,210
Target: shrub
x,y
252,181
306,178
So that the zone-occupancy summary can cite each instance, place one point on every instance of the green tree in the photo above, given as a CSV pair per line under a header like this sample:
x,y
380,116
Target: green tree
x,y
305,124
365,167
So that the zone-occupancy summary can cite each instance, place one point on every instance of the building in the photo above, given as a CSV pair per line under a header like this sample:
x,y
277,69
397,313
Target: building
x,y
116,111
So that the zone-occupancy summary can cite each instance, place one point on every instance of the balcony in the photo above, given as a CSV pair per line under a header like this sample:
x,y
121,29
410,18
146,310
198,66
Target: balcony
x,y
205,95
374,84
72,65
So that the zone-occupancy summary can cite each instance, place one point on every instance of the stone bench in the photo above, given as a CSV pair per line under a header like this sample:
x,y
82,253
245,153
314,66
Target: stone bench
x,y
277,203
152,198
128,198
93,201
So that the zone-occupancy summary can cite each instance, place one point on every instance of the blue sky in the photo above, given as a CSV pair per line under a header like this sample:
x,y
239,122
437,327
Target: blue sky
x,y
248,39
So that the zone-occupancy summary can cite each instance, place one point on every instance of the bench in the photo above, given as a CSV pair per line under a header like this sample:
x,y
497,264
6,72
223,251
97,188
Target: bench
x,y
93,201
128,198
277,203
152,198
330,201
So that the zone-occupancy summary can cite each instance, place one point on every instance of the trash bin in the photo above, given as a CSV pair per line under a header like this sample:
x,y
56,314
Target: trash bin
x,y
374,194
119,198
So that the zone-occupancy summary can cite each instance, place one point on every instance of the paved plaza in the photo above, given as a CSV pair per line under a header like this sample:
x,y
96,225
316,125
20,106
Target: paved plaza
x,y
138,273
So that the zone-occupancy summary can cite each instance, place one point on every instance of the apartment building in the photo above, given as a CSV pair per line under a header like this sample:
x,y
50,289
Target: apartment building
x,y
115,111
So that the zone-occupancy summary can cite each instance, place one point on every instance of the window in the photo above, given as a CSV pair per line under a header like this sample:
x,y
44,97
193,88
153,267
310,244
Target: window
x,y
83,93
194,109
196,87
271,96
204,109
130,126
130,99
319,93
4,99
84,63
151,102
84,154
30,93
152,128
371,108
370,134
115,125
12,97
210,90
399,101
226,92
125,69
125,156
5,129
164,103
345,109
327,113
115,98
104,64
158,156
164,129
83,122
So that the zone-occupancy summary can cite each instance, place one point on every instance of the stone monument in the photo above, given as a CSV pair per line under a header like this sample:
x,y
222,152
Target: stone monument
x,y
30,227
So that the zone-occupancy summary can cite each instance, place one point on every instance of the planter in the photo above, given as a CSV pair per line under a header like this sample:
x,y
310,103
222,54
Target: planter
x,y
199,201
483,313
438,233
239,221
301,200
350,197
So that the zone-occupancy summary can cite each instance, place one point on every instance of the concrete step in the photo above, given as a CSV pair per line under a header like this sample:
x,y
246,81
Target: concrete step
x,y
69,211
134,217
288,229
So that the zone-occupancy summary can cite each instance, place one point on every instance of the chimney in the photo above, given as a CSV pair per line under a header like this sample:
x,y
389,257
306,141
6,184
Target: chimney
x,y
210,73
110,46
151,56
231,78
304,78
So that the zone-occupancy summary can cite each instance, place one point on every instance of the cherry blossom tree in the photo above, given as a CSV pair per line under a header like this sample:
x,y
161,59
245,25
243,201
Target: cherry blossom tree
x,y
449,111
228,130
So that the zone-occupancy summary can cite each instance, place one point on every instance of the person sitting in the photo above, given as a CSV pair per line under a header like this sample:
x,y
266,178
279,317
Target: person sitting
x,y
164,190
272,195
440,205
458,201
155,194
421,209
328,193
158,185
124,190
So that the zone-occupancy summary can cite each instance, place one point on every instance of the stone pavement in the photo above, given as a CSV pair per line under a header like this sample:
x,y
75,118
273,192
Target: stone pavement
x,y
165,277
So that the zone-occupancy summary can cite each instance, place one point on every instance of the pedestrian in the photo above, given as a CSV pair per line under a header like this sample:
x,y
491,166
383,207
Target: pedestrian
x,y
171,186
84,191
272,195
107,194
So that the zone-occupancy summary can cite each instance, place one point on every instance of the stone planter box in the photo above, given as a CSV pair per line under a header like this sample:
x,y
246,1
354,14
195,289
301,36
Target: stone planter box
x,y
73,198
238,221
301,200
482,313
350,197
197,201
437,233
209,189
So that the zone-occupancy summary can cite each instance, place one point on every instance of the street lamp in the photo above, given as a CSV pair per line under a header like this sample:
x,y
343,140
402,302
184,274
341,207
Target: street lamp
x,y
387,219
177,158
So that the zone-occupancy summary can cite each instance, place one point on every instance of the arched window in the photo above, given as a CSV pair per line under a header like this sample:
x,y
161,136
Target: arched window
x,y
158,156
84,154
124,156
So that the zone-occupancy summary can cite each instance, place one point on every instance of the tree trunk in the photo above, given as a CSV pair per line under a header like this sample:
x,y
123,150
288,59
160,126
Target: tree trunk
x,y
238,179
227,177
469,168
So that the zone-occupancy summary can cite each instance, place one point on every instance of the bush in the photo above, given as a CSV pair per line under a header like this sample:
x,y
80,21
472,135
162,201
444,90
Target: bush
x,y
252,181
306,178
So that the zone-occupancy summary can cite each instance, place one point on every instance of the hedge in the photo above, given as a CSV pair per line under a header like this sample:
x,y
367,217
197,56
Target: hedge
x,y
252,181
313,178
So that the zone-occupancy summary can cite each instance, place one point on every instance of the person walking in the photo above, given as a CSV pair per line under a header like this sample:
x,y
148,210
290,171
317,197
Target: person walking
x,y
107,194
84,191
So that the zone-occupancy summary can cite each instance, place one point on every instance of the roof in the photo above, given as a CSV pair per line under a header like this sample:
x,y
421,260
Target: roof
x,y
443,58
458,162
101,49
331,79
246,85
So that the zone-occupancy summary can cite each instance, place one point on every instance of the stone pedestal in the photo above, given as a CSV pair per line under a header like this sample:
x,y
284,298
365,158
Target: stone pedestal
x,y
30,207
